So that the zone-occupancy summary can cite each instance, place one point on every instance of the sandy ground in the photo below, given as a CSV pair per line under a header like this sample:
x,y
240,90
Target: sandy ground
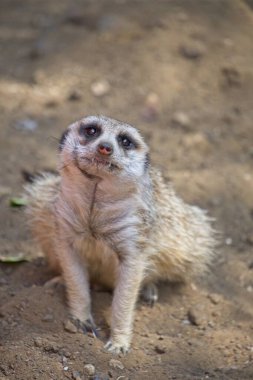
x,y
182,72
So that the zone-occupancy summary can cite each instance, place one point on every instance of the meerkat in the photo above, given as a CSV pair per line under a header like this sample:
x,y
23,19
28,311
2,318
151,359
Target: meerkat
x,y
109,217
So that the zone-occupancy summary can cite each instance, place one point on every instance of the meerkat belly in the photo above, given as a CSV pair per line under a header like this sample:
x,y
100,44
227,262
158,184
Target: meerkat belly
x,y
109,226
100,261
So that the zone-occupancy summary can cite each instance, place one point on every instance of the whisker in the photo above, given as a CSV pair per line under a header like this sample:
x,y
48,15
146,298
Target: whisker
x,y
53,138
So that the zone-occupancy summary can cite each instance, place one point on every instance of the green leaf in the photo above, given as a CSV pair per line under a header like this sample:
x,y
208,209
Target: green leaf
x,y
18,202
14,258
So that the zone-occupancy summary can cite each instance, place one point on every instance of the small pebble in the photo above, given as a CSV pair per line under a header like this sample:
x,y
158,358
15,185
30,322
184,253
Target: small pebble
x,y
160,349
215,298
74,96
70,327
76,375
228,241
89,369
52,103
100,88
181,120
192,50
231,76
38,342
152,107
197,141
48,318
195,316
116,364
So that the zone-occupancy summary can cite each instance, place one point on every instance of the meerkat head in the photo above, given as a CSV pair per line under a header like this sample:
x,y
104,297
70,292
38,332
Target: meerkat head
x,y
100,146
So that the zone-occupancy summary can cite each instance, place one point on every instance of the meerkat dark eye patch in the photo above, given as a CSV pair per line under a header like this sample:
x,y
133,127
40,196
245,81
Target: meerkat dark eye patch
x,y
127,142
90,130
63,139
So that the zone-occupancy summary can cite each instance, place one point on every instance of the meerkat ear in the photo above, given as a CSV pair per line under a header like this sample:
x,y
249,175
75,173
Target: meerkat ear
x,y
62,139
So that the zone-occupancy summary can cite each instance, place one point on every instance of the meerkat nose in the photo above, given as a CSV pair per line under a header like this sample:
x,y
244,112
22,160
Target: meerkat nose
x,y
105,148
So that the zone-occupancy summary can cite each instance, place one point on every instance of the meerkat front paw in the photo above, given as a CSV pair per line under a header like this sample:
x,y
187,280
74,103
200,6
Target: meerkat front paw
x,y
87,326
149,294
117,347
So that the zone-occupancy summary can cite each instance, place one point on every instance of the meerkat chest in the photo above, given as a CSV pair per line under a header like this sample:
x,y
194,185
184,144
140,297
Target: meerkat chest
x,y
105,212
112,218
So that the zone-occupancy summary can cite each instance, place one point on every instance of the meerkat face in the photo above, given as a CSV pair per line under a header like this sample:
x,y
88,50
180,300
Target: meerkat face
x,y
101,146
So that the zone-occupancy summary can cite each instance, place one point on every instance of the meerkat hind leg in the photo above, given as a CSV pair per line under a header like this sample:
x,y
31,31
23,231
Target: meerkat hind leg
x,y
149,294
54,282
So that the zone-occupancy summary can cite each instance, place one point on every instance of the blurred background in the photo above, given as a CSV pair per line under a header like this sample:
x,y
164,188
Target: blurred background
x,y
181,71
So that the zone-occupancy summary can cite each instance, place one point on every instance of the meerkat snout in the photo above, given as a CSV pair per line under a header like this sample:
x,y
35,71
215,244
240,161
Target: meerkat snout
x,y
104,148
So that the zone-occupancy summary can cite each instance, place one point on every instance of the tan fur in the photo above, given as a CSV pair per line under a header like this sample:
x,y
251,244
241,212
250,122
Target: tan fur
x,y
120,226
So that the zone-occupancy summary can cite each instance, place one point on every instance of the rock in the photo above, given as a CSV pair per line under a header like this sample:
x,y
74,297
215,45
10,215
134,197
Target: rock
x,y
181,120
231,77
74,96
27,125
48,318
215,298
152,107
51,346
51,103
197,141
38,342
89,369
195,316
228,241
76,375
82,19
113,363
192,50
100,88
70,327
160,349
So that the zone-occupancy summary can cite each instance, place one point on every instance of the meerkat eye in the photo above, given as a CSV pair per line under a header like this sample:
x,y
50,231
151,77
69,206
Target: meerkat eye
x,y
89,130
126,142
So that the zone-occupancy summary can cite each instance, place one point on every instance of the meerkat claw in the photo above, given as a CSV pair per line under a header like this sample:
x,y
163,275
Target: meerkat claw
x,y
115,348
87,326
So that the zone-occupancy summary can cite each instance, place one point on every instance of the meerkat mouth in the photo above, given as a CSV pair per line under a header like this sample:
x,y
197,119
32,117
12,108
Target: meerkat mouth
x,y
99,163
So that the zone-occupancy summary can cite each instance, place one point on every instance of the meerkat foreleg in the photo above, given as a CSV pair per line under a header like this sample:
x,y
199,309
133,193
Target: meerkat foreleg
x,y
131,271
76,281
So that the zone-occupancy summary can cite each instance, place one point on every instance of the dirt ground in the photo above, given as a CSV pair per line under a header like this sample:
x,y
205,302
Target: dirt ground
x,y
182,72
